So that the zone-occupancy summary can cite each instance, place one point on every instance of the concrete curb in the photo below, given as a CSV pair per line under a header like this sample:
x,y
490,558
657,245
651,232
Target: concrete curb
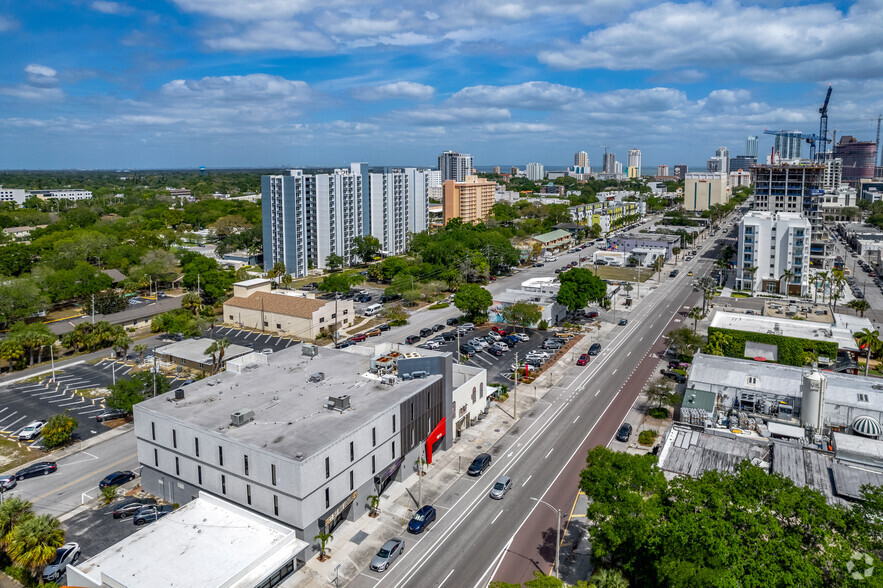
x,y
40,373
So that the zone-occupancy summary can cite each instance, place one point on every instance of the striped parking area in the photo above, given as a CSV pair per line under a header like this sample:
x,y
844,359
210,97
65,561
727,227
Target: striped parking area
x,y
23,403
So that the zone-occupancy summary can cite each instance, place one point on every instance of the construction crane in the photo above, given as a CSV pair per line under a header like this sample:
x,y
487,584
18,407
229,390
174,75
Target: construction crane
x,y
823,128
809,138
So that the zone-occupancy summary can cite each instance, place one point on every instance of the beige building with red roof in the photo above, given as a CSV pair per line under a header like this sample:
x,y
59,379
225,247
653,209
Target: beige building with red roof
x,y
255,305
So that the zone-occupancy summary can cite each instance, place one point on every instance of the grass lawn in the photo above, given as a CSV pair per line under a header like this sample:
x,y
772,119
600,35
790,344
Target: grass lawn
x,y
740,295
622,274
13,454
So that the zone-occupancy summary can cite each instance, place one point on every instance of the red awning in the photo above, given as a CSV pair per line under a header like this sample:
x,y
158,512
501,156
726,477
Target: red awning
x,y
437,433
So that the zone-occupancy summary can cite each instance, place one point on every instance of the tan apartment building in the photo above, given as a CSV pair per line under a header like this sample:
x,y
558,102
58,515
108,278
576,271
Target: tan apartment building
x,y
255,306
702,190
471,201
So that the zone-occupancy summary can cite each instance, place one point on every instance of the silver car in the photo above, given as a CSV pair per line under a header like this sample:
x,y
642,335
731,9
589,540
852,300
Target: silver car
x,y
501,486
387,554
67,554
31,430
7,483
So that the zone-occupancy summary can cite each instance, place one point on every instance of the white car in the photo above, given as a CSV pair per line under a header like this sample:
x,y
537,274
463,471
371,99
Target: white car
x,y
494,335
480,343
31,430
521,336
432,344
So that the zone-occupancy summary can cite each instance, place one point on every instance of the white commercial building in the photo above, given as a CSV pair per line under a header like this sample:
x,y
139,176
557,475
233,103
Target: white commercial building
x,y
454,166
635,161
535,172
73,195
17,195
542,292
776,244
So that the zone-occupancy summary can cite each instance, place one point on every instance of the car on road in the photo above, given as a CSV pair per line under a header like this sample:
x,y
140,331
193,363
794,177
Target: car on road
x,y
689,273
421,519
411,339
383,327
31,430
583,359
623,322
358,337
65,555
592,314
111,414
624,432
153,512
375,332
7,483
116,479
41,468
672,375
595,349
130,506
451,321
673,273
387,554
501,486
479,464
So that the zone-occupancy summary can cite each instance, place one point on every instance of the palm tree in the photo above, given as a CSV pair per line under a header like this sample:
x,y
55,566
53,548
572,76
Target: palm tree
x,y
140,348
286,280
121,344
837,282
33,542
13,511
609,578
859,305
217,347
324,539
788,277
192,301
696,314
751,271
819,281
870,340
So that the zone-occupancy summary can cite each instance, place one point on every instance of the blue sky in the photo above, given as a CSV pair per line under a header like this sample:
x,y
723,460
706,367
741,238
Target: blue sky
x,y
271,83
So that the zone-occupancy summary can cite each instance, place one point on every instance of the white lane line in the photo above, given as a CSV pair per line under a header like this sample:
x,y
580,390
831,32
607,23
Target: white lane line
x,y
629,353
80,401
550,453
576,419
498,516
23,417
4,410
7,417
525,482
613,373
452,571
597,392
90,411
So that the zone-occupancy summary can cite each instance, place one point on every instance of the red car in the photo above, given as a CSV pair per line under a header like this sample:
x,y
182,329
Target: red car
x,y
499,331
358,338
583,359
592,314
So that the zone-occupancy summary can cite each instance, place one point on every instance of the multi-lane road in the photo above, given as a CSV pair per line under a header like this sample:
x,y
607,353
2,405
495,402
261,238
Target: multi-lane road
x,y
478,539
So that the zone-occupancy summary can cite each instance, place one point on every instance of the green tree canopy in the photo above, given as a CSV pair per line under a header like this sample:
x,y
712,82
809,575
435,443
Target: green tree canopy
x,y
522,313
341,282
366,247
580,286
59,429
473,300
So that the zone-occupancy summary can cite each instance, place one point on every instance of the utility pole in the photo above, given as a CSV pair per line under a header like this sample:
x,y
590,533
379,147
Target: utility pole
x,y
557,535
515,391
154,370
52,359
93,309
262,314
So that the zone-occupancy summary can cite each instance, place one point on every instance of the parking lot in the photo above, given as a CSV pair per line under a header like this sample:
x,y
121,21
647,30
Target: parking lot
x,y
96,529
252,339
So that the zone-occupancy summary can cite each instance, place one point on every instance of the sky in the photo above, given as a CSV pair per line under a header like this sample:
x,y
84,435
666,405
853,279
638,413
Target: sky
x,y
101,84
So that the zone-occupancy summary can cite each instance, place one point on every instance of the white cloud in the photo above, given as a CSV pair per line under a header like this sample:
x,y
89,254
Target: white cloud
x,y
41,84
107,7
6,23
394,90
529,95
450,115
287,36
38,72
249,10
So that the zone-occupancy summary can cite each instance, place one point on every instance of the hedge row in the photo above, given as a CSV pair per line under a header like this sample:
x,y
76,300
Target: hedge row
x,y
791,349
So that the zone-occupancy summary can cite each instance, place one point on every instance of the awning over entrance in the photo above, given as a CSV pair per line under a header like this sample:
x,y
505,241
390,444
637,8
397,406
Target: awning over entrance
x,y
437,433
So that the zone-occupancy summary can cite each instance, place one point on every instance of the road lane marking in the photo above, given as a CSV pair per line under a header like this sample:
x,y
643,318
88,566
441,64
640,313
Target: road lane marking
x,y
613,373
576,419
495,518
525,482
81,478
550,453
629,353
452,571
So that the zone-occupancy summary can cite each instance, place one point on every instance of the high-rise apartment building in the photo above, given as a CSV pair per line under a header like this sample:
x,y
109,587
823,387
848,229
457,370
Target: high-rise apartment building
x,y
681,171
787,144
470,201
743,162
609,162
661,170
751,147
773,243
513,171
497,169
634,162
307,217
617,167
724,154
581,159
535,172
858,158
714,165
702,190
454,166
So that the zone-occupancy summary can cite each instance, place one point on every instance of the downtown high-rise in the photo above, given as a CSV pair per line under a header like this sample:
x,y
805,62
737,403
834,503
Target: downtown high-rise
x,y
454,166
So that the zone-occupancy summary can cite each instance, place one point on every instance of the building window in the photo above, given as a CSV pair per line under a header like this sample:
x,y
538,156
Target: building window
x,y
473,393
199,475
345,311
273,473
374,436
393,449
220,455
321,319
245,461
153,430
248,493
156,457
373,464
196,445
278,326
223,484
327,467
275,505
174,438
352,452
177,467
393,423
327,498
334,315
231,317
352,480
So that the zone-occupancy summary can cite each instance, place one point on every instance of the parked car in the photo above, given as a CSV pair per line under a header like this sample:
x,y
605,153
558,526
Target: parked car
x,y
375,332
148,514
522,336
502,485
451,321
389,297
449,335
111,414
593,314
431,344
7,483
623,322
494,335
469,326
500,346
130,506
363,298
679,378
387,554
31,430
358,337
551,344
344,344
511,340
594,349
624,432
116,479
499,330
437,328
539,265
411,339
583,359
383,327
467,349
421,519
65,555
41,468
479,464
425,332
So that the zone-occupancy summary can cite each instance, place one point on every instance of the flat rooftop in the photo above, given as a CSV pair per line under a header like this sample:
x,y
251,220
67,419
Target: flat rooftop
x,y
290,412
207,542
647,237
840,332
194,350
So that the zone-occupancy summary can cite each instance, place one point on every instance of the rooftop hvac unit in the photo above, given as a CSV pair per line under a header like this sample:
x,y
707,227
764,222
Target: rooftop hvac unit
x,y
240,417
317,377
310,350
419,374
389,379
340,403
179,394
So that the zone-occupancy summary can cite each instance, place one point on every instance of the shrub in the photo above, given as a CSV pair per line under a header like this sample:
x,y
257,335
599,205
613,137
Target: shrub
x,y
108,493
58,430
647,437
438,306
398,323
658,412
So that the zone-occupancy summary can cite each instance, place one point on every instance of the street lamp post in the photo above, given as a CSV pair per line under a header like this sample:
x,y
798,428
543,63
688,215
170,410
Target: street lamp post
x,y
557,535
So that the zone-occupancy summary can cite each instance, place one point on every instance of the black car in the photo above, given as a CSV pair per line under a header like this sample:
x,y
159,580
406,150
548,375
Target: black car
x,y
411,339
479,464
595,349
148,514
116,479
42,468
679,378
130,506
451,321
426,332
111,414
673,273
422,518
539,264
437,328
389,297
624,432
467,349
344,344
449,335
383,327
363,298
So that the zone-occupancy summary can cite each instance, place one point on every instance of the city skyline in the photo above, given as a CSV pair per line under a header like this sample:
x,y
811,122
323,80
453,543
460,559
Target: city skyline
x,y
185,83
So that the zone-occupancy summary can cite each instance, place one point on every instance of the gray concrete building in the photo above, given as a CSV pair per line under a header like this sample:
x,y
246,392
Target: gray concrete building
x,y
302,436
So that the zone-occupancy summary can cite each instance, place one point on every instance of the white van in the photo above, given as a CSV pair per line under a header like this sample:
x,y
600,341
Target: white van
x,y
373,309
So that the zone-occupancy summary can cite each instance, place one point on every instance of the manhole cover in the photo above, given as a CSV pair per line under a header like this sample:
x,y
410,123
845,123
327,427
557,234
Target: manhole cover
x,y
505,422
496,430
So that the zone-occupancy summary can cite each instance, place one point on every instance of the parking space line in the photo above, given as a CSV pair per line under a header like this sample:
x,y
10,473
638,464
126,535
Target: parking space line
x,y
91,411
9,416
80,401
12,424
